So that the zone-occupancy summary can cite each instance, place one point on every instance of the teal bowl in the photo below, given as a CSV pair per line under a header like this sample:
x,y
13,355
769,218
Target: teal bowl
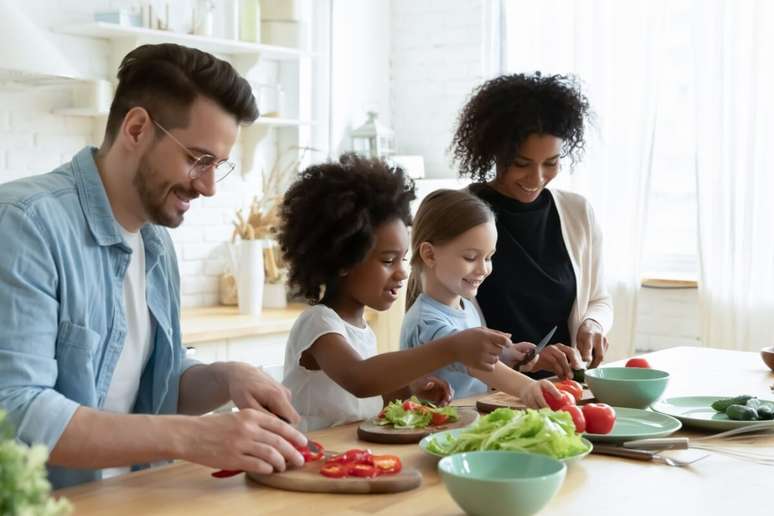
x,y
633,387
493,483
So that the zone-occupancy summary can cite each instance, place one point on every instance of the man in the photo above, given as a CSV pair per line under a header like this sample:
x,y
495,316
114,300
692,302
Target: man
x,y
91,360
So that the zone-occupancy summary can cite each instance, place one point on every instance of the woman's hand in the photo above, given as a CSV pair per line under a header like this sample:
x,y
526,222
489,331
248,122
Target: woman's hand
x,y
433,389
558,358
592,343
532,393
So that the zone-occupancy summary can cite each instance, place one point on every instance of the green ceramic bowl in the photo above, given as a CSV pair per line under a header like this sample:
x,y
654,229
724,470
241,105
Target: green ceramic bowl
x,y
493,483
633,387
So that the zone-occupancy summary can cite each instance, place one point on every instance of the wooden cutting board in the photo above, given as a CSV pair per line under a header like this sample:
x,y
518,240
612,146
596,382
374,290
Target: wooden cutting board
x,y
309,479
369,430
501,399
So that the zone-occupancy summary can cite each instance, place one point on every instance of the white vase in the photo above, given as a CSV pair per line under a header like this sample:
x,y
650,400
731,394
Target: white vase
x,y
275,295
250,276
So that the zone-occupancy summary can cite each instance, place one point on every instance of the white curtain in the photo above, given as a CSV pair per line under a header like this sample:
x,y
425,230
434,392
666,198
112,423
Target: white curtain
x,y
611,46
734,83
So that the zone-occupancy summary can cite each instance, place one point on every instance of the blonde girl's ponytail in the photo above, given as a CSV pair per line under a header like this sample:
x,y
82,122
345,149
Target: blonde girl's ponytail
x,y
414,288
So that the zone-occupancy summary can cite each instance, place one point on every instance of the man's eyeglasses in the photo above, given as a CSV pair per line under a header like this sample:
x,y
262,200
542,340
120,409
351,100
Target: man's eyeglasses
x,y
203,162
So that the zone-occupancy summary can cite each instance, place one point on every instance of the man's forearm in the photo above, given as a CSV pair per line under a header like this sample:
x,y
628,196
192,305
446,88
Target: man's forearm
x,y
203,388
98,439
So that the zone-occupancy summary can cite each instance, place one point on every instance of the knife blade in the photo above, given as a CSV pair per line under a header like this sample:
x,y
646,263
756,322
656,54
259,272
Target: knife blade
x,y
537,349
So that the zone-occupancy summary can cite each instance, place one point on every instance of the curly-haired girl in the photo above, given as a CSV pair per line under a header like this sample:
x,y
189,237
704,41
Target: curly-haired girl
x,y
548,268
344,236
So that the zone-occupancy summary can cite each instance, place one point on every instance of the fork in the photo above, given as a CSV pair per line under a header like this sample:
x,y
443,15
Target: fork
x,y
647,455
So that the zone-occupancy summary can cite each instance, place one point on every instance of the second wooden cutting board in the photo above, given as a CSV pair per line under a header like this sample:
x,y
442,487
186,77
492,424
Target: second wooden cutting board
x,y
502,400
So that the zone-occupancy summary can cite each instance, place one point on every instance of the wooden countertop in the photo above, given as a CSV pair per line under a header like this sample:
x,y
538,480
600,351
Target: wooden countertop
x,y
214,323
225,322
598,485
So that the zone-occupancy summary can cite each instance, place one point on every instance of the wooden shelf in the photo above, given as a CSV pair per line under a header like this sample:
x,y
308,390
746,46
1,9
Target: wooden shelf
x,y
112,31
668,283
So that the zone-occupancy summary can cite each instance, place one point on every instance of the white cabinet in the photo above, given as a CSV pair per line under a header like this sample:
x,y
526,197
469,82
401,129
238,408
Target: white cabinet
x,y
266,351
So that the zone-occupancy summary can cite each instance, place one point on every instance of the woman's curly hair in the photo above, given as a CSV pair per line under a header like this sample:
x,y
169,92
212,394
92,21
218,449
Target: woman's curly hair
x,y
329,215
503,112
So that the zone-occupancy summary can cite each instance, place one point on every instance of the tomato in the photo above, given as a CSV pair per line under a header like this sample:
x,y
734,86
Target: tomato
x,y
409,405
353,456
572,387
555,403
312,452
600,418
363,470
333,470
380,415
438,418
387,464
577,417
637,362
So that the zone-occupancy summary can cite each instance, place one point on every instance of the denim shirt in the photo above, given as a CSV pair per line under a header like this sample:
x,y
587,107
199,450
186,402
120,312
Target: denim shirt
x,y
62,322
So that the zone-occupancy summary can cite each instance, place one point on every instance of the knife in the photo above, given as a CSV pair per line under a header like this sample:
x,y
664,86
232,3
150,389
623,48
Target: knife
x,y
537,349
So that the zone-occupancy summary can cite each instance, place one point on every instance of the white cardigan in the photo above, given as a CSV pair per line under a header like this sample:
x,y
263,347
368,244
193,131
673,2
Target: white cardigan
x,y
583,239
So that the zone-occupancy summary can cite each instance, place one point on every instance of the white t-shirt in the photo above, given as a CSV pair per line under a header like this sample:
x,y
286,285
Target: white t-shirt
x,y
320,401
122,392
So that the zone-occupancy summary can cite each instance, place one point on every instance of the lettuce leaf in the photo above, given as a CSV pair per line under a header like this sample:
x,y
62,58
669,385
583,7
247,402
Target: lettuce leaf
x,y
24,488
397,416
536,431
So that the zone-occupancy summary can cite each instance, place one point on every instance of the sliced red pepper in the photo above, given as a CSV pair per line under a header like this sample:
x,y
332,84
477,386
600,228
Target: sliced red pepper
x,y
225,473
363,470
353,456
311,452
335,470
387,464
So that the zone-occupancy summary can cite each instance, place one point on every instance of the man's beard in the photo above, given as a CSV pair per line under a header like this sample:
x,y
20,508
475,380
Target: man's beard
x,y
153,196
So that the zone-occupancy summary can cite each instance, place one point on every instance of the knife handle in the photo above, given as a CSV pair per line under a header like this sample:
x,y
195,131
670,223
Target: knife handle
x,y
663,443
617,451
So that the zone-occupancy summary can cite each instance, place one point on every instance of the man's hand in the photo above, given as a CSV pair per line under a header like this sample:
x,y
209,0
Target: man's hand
x,y
558,358
480,348
592,343
433,389
249,440
250,387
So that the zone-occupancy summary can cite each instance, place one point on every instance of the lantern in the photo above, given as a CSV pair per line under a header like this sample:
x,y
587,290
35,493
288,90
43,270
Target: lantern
x,y
373,139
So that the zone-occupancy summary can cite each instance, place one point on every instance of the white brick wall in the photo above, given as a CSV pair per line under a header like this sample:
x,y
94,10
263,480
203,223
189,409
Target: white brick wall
x,y
33,140
436,60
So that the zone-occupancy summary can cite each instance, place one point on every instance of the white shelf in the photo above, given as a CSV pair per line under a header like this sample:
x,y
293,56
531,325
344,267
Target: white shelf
x,y
111,31
282,122
84,112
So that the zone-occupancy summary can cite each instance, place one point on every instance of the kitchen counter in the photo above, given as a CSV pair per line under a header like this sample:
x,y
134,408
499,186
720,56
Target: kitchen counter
x,y
225,322
598,485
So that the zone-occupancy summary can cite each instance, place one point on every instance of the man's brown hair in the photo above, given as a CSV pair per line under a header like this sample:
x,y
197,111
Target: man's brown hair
x,y
165,79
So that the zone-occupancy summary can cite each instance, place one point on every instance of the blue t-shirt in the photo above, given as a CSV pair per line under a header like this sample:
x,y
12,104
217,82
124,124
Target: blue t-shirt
x,y
428,320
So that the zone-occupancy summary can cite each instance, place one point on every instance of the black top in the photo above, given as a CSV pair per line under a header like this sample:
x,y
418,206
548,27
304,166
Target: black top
x,y
532,285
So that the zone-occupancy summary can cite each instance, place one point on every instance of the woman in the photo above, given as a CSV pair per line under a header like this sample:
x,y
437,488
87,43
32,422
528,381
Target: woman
x,y
547,270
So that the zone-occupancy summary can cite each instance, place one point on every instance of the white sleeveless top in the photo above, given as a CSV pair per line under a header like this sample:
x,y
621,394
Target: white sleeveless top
x,y
320,401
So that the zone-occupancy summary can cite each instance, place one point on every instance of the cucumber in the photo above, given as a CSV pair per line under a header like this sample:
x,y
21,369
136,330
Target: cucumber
x,y
765,412
722,404
742,413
